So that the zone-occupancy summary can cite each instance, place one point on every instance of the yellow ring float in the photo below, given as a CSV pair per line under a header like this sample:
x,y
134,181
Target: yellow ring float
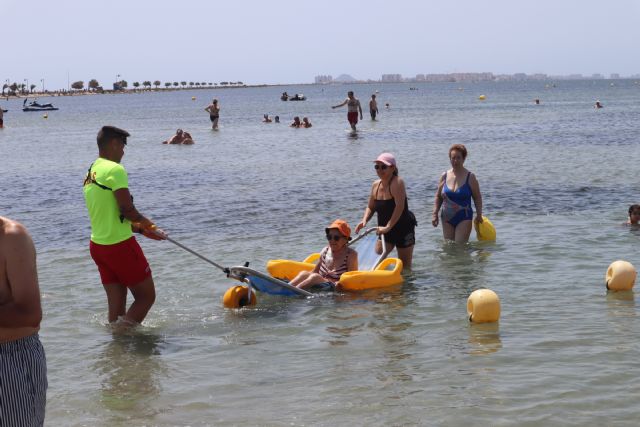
x,y
621,276
239,296
483,306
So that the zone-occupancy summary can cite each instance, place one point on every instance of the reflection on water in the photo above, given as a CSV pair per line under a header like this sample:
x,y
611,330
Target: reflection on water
x,y
484,338
621,304
131,370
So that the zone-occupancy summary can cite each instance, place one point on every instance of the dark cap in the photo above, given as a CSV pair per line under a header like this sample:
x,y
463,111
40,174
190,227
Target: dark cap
x,y
108,132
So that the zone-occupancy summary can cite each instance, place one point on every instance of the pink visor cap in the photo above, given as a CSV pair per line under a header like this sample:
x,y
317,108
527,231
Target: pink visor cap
x,y
387,159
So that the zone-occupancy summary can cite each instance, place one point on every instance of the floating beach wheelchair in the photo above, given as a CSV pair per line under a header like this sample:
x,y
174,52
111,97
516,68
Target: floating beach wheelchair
x,y
375,272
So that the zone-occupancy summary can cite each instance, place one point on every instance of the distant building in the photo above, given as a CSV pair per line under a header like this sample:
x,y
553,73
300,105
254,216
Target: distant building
x,y
597,76
614,76
420,77
391,78
323,79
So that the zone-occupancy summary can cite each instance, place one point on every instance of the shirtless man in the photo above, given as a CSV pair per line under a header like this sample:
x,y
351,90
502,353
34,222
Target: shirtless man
x,y
180,137
373,107
353,107
23,367
214,113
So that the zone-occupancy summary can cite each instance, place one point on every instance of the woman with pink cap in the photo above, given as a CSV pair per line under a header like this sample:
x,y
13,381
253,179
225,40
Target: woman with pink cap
x,y
335,259
388,198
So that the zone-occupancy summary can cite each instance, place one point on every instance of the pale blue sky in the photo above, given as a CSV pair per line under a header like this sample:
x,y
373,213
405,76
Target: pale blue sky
x,y
292,41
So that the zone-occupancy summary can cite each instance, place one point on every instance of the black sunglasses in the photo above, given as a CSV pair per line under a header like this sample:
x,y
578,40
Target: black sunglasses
x,y
335,237
381,167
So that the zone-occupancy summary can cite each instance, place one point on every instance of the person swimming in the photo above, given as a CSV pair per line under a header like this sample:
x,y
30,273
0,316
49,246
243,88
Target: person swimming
x,y
181,137
598,105
266,119
634,215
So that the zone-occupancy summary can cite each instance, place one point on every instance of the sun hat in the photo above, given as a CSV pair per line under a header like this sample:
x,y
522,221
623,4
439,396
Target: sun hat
x,y
342,226
386,158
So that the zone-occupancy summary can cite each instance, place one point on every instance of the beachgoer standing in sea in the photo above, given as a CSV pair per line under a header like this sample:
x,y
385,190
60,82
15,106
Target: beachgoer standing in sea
x,y
1,118
353,107
214,113
23,366
373,107
120,260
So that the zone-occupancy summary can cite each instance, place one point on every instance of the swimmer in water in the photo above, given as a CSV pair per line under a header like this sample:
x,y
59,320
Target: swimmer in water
x,y
598,105
634,215
306,123
181,137
266,119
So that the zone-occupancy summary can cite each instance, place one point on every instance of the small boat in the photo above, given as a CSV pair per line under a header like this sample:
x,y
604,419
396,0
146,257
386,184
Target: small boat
x,y
298,97
35,106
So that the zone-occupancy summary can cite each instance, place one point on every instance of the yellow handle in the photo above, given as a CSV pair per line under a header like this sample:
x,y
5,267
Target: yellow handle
x,y
312,259
389,261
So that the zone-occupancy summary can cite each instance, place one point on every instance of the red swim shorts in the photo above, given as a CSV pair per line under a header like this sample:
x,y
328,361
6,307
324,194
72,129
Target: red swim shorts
x,y
352,116
122,263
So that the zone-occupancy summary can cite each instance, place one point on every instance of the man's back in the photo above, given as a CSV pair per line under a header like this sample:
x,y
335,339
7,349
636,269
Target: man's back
x,y
18,279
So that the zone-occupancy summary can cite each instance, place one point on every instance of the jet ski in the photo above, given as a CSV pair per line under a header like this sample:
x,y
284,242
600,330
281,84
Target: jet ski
x,y
298,97
35,106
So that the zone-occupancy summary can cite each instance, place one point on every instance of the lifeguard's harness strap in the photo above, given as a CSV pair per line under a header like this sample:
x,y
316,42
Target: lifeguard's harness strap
x,y
89,180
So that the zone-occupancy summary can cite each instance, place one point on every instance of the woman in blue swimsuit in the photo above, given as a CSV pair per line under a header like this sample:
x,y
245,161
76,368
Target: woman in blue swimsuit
x,y
456,189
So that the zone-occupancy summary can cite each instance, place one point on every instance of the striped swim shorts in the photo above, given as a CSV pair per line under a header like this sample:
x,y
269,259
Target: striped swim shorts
x,y
23,382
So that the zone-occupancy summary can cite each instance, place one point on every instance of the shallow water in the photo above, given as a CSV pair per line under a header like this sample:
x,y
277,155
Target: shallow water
x,y
556,178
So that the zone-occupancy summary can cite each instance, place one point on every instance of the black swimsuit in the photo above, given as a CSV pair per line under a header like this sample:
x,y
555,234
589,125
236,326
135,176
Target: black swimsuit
x,y
402,234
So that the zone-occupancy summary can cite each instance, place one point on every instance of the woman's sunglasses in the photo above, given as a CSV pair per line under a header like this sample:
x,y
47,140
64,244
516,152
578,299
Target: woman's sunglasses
x,y
335,237
381,167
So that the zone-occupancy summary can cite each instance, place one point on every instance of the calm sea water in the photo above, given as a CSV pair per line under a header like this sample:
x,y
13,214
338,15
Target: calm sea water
x,y
556,178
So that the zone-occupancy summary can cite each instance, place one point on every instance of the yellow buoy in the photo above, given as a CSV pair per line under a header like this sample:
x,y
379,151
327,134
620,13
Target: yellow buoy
x,y
46,116
238,297
482,97
621,276
483,306
193,98
485,229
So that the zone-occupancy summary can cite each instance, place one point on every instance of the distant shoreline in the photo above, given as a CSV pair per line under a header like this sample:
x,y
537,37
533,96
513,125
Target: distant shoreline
x,y
85,92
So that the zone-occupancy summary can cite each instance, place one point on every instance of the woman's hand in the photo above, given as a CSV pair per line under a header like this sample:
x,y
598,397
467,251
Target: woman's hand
x,y
434,219
383,230
360,226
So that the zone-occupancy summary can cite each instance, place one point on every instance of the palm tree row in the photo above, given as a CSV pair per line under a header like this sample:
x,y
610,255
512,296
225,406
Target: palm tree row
x,y
94,85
